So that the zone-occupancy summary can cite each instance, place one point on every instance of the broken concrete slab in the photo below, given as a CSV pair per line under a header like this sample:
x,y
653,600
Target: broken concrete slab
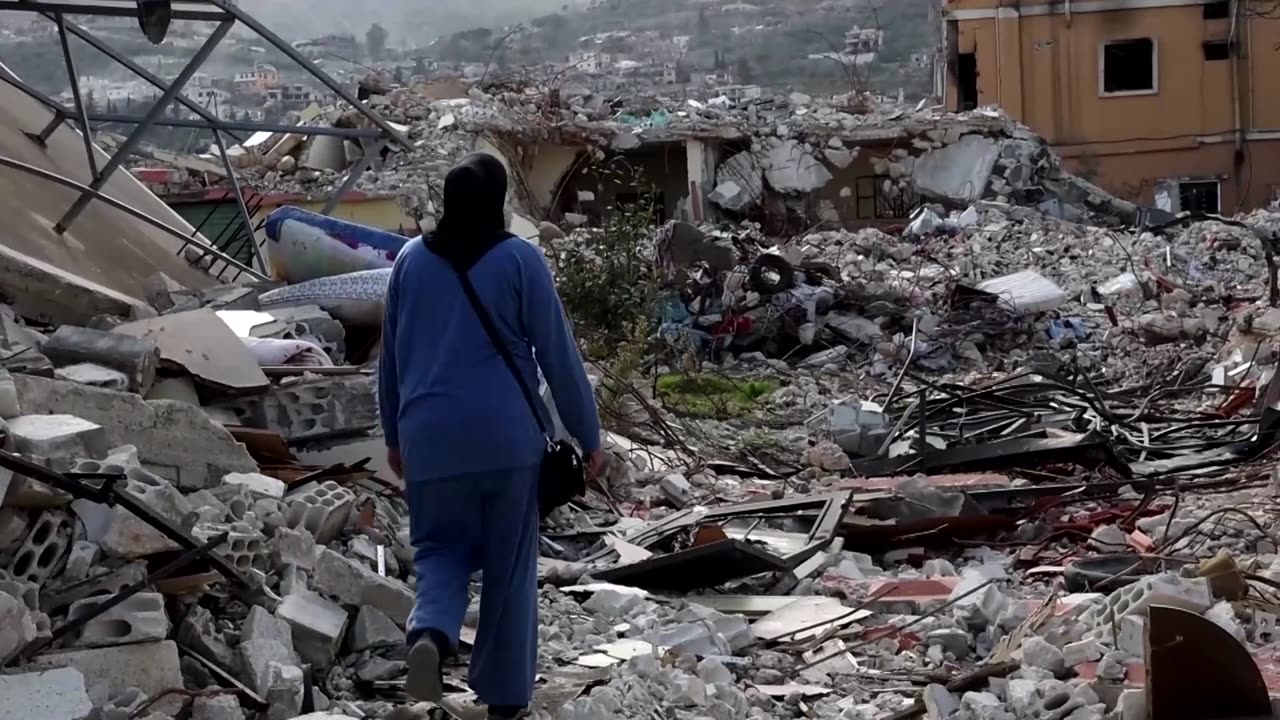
x,y
258,484
318,626
356,585
136,357
108,672
202,344
958,172
175,440
48,695
265,640
58,436
791,167
373,629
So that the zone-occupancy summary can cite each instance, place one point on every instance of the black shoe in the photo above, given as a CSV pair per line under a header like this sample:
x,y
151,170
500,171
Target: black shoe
x,y
425,680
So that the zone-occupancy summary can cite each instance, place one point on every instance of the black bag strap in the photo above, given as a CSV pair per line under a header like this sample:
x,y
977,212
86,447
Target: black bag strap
x,y
492,331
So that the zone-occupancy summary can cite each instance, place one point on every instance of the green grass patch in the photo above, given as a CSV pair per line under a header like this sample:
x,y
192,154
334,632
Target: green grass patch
x,y
712,396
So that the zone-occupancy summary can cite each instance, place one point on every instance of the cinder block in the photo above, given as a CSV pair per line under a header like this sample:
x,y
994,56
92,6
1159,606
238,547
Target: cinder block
x,y
318,625
48,695
312,409
141,618
356,585
54,436
44,550
136,357
122,534
321,509
245,547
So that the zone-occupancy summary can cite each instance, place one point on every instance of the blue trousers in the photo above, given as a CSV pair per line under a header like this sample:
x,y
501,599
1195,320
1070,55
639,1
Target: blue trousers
x,y
489,522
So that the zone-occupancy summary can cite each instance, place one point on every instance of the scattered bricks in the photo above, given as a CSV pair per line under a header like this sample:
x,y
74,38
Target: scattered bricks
x,y
245,547
293,547
102,585
356,585
136,357
258,484
150,667
48,695
318,626
29,595
54,436
612,604
952,640
321,509
219,707
373,629
312,409
17,629
94,375
141,618
199,631
939,703
265,641
45,548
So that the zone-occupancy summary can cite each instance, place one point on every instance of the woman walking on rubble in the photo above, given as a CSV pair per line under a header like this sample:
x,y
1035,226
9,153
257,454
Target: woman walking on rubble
x,y
460,433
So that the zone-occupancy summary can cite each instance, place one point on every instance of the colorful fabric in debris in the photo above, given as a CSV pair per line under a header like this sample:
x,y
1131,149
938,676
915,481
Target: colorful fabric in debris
x,y
354,298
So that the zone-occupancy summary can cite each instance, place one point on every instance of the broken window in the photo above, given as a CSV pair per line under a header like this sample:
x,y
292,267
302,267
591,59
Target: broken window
x,y
1217,50
967,82
871,202
1217,10
1198,196
1129,66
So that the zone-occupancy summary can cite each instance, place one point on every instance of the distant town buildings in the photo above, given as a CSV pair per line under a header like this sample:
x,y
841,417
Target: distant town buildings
x,y
257,81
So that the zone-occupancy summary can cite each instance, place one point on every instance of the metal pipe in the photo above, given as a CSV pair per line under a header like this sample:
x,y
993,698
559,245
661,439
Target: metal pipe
x,y
81,111
126,209
235,186
135,138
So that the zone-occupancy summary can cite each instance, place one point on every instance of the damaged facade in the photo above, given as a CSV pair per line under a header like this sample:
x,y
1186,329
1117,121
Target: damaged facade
x,y
1158,102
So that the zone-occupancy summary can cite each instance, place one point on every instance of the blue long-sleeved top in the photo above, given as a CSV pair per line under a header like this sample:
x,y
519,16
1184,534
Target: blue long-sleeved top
x,y
447,399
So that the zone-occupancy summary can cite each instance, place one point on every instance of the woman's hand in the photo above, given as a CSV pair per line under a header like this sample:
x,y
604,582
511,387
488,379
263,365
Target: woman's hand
x,y
396,463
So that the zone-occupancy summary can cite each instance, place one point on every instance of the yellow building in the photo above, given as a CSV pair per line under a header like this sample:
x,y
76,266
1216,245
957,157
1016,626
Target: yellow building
x,y
1153,100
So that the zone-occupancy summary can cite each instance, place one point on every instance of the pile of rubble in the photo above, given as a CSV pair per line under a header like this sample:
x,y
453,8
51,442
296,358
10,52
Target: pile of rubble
x,y
1009,461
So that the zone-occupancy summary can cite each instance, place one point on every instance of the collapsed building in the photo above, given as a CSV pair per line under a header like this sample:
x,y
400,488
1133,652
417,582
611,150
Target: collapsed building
x,y
927,428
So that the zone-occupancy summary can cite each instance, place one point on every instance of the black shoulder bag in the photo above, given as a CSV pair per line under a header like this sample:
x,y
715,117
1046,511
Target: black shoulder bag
x,y
562,476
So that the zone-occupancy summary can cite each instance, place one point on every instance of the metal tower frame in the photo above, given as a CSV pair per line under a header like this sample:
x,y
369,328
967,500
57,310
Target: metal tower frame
x,y
225,14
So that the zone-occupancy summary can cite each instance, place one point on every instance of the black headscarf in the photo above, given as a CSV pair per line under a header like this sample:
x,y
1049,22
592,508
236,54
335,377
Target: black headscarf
x,y
474,218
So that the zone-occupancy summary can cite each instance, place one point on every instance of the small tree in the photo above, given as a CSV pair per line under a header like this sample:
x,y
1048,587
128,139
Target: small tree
x,y
375,40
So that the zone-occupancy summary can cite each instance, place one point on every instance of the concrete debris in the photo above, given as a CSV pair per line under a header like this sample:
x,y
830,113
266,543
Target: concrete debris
x,y
943,405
